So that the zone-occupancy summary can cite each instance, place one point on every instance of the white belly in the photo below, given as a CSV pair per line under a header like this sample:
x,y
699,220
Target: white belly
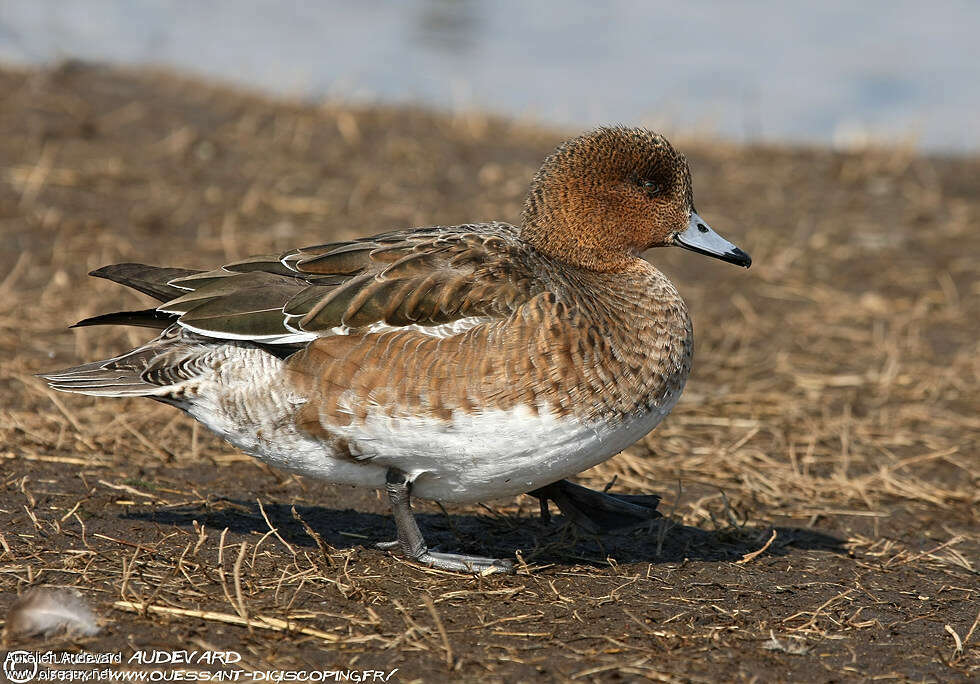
x,y
491,454
471,457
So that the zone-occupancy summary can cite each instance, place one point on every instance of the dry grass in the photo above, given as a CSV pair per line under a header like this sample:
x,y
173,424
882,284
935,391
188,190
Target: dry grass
x,y
821,470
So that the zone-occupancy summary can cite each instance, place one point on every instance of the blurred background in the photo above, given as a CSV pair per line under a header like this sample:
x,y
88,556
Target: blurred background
x,y
835,72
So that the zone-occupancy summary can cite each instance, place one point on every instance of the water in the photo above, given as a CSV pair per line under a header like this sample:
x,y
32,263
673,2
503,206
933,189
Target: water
x,y
838,72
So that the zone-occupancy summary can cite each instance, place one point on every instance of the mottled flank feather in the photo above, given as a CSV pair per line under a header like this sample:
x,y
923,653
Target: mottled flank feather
x,y
595,346
423,277
46,612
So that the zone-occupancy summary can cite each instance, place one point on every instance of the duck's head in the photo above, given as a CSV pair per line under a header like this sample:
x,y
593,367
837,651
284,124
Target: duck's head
x,y
601,199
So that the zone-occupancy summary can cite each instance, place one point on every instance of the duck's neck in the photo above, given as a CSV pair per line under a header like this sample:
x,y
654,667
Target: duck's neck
x,y
638,299
571,235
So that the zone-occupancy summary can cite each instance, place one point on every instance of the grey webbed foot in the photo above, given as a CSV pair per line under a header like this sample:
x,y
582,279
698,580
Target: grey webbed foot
x,y
598,512
411,543
463,563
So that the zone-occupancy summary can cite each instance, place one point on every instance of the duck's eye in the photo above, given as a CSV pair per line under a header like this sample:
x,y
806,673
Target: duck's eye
x,y
651,188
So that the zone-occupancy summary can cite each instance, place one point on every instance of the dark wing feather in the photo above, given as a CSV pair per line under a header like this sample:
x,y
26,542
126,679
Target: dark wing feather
x,y
151,280
345,260
423,277
247,306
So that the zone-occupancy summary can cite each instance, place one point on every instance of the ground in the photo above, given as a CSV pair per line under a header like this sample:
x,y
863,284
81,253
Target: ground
x,y
819,475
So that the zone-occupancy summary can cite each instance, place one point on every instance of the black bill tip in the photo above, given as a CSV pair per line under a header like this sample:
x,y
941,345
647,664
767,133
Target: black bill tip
x,y
738,257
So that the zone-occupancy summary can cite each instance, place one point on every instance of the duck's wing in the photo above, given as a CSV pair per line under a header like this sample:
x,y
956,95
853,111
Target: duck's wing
x,y
422,278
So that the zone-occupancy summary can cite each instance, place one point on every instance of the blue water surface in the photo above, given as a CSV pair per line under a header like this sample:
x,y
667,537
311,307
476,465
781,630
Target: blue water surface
x,y
833,71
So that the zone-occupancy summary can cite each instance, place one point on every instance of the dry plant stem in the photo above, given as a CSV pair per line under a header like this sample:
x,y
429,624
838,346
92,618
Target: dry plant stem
x,y
442,630
273,529
258,622
749,557
237,573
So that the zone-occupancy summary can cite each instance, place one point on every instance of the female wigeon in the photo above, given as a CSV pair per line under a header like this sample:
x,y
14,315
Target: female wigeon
x,y
452,363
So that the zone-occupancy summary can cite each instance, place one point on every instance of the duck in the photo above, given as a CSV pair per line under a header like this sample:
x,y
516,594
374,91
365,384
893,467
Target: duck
x,y
451,363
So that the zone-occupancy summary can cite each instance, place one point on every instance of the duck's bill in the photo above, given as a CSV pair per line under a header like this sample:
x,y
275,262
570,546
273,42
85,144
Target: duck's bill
x,y
698,237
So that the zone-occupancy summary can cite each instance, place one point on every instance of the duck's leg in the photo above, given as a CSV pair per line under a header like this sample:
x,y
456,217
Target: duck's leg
x,y
598,512
412,544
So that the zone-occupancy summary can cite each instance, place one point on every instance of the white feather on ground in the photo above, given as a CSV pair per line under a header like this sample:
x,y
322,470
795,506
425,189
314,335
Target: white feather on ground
x,y
44,612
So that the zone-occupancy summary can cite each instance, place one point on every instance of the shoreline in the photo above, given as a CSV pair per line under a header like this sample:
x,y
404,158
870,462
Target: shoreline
x,y
698,135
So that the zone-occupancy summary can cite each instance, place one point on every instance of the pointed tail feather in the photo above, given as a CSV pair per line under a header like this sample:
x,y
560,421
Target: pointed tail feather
x,y
151,280
117,377
147,318
156,370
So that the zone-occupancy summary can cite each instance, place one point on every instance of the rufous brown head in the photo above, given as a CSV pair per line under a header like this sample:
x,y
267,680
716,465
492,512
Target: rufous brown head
x,y
601,199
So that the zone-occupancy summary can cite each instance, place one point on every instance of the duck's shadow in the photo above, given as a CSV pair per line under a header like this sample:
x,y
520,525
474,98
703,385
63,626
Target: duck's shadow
x,y
540,542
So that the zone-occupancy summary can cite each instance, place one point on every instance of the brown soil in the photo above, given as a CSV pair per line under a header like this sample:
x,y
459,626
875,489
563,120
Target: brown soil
x,y
833,409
